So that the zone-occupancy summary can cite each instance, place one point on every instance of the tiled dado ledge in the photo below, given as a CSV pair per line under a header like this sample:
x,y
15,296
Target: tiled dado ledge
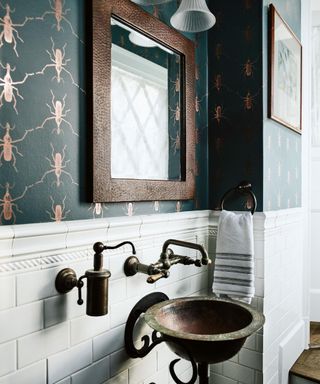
x,y
35,246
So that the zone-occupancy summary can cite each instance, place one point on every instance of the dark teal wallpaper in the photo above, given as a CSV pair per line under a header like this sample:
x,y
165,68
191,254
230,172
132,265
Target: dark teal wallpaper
x,y
235,99
43,134
244,144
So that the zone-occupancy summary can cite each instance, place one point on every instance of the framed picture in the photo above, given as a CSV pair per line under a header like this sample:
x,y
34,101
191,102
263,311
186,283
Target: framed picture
x,y
285,72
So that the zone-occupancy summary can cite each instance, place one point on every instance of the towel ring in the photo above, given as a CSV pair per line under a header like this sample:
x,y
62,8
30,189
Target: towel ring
x,y
243,188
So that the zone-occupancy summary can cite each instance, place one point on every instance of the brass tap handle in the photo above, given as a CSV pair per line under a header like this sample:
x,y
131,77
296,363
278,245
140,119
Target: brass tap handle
x,y
153,278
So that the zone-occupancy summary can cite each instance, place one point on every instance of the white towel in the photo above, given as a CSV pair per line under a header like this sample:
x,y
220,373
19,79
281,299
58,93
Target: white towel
x,y
234,266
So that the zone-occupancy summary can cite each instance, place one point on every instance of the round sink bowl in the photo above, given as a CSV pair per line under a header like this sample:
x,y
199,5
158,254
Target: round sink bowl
x,y
211,329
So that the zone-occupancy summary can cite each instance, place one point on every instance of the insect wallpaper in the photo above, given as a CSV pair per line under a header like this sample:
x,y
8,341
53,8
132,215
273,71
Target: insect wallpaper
x,y
243,143
43,129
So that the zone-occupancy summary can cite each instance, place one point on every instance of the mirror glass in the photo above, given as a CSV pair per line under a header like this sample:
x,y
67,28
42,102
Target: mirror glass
x,y
146,95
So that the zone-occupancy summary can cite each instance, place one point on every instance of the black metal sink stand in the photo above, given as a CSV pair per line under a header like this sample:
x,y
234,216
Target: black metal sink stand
x,y
141,307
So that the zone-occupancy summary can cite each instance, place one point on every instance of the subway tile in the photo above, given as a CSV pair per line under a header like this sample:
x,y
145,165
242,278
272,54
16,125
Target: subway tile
x,y
220,379
137,285
36,285
144,368
117,261
49,237
250,343
119,312
123,228
81,235
42,344
121,378
96,373
238,372
65,381
108,342
35,374
216,368
258,378
158,377
117,290
20,321
120,362
60,308
6,241
86,327
8,358
8,292
251,359
165,356
65,363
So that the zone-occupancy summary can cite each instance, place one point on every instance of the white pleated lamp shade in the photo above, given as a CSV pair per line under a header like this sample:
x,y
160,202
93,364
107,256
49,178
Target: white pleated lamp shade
x,y
193,16
150,2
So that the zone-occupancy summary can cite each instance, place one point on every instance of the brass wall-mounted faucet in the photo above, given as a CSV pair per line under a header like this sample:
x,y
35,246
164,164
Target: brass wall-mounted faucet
x,y
167,258
97,281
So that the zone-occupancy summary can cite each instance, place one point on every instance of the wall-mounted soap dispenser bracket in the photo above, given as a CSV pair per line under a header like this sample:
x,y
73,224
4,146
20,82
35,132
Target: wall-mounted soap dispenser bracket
x,y
97,281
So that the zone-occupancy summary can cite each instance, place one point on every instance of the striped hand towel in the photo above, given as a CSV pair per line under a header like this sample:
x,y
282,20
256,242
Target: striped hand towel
x,y
234,267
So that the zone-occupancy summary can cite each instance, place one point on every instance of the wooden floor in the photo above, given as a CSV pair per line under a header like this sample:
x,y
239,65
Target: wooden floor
x,y
308,364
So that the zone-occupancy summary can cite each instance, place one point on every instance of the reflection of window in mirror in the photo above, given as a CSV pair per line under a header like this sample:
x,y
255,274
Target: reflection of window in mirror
x,y
145,107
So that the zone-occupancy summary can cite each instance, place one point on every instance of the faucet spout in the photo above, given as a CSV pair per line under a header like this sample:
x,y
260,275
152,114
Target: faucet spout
x,y
204,259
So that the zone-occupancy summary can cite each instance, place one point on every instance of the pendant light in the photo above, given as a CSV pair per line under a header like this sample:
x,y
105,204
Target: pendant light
x,y
193,16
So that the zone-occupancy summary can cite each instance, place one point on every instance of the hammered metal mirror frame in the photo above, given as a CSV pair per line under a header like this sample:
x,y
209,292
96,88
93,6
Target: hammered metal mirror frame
x,y
105,188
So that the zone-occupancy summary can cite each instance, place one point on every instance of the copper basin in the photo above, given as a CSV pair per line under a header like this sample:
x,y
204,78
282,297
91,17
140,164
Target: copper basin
x,y
211,329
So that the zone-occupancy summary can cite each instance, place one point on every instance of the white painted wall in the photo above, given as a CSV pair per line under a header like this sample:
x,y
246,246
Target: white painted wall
x,y
314,181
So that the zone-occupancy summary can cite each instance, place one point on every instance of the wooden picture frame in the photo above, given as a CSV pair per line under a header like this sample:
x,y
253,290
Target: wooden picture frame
x,y
285,73
106,188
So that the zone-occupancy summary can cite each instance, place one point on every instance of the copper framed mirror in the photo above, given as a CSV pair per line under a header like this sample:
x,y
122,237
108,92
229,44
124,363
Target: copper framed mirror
x,y
143,113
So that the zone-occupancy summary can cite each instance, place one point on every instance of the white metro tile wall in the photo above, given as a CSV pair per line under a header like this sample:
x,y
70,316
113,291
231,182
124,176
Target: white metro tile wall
x,y
46,338
267,356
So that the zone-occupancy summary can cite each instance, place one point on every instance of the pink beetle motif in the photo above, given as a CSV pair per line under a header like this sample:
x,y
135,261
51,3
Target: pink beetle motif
x,y
97,210
9,88
58,62
8,205
58,211
7,145
58,165
129,210
176,113
9,31
197,102
156,206
176,84
248,4
248,101
248,68
175,143
58,113
218,114
197,72
217,82
58,11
